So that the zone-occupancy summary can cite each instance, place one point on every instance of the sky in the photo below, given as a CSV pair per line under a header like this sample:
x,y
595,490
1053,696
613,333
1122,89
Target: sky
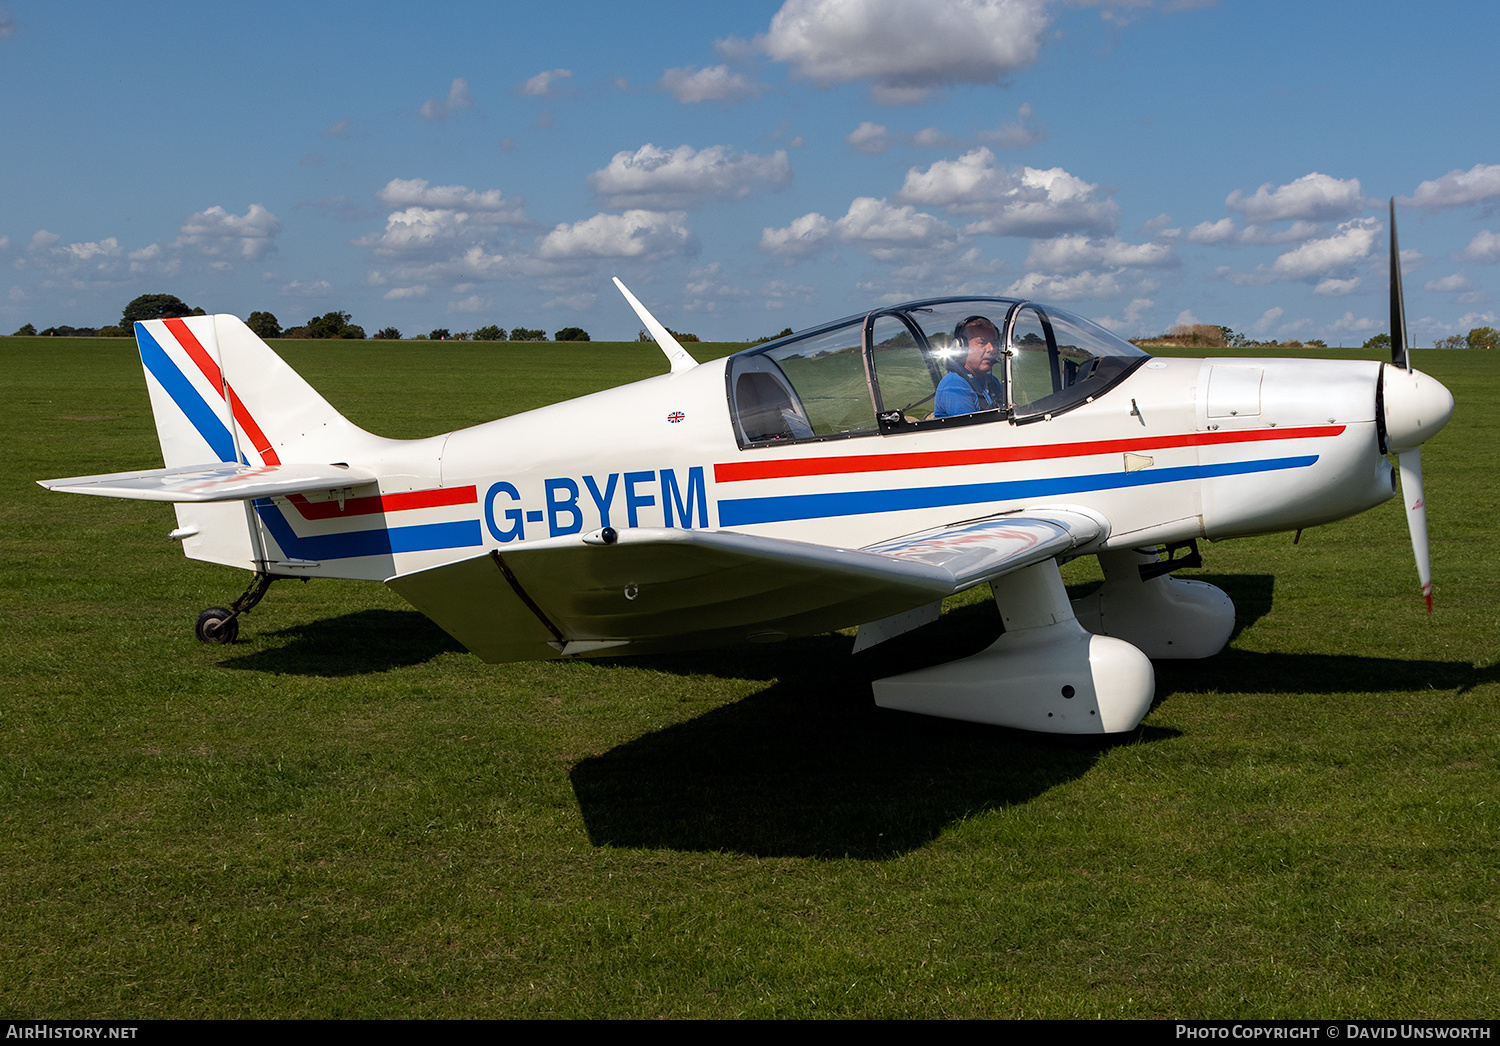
x,y
752,167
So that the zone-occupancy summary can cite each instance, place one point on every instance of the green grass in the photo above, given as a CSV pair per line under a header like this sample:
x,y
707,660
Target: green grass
x,y
345,815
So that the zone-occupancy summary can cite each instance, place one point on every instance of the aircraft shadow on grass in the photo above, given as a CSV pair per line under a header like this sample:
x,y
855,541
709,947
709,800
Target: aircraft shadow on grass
x,y
809,766
362,643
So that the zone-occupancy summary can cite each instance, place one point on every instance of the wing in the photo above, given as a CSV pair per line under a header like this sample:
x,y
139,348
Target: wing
x,y
217,481
645,590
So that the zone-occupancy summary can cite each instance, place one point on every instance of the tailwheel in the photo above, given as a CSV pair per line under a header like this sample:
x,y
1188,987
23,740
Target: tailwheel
x,y
220,625
217,625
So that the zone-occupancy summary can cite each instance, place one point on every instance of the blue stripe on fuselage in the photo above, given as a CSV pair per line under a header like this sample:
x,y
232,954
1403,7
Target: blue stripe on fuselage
x,y
739,512
204,418
384,541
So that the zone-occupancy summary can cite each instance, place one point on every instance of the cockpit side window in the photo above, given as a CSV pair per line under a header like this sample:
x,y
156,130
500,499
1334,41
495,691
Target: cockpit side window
x,y
1058,361
812,388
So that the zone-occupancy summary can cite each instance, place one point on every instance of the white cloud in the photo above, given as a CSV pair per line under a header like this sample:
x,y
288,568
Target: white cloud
x,y
1314,197
405,293
1132,323
906,48
1347,322
540,85
685,178
436,110
1212,232
298,289
1017,135
1019,201
1067,288
42,239
217,233
1484,247
1332,287
714,83
933,138
82,252
1457,188
869,137
806,235
1317,259
431,216
473,303
415,192
630,235
1454,284
1267,320
417,228
1299,230
339,129
884,231
879,227
1068,253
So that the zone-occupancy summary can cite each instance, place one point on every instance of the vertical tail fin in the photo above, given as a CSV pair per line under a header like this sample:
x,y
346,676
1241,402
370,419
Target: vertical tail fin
x,y
219,393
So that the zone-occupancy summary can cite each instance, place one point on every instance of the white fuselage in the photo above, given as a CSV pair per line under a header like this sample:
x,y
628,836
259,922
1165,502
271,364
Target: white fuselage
x,y
1180,449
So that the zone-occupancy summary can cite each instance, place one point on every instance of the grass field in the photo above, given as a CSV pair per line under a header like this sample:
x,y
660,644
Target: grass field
x,y
346,815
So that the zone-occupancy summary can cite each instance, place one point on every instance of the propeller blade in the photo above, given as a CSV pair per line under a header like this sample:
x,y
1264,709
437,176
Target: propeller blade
x,y
1398,302
1410,462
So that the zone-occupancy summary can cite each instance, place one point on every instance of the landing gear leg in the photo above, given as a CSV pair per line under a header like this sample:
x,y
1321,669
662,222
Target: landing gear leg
x,y
220,625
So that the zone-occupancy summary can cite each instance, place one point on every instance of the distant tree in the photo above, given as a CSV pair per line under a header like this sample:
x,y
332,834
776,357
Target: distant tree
x,y
785,331
679,335
65,331
1380,341
463,336
490,333
440,334
156,307
334,325
1452,341
1484,338
264,325
27,331
112,332
527,334
387,334
571,334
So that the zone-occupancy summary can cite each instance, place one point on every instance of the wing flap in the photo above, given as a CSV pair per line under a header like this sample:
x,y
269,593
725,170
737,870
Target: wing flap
x,y
216,481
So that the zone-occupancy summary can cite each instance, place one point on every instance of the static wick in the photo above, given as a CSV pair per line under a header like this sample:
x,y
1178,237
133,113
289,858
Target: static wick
x,y
1297,537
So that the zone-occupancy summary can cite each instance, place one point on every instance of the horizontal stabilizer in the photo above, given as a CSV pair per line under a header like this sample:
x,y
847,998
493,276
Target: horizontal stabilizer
x,y
217,481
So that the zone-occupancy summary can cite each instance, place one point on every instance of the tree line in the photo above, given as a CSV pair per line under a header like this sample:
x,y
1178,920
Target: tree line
x,y
336,324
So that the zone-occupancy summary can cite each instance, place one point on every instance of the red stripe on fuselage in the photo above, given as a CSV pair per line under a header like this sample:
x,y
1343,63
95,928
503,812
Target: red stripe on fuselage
x,y
384,503
739,471
199,355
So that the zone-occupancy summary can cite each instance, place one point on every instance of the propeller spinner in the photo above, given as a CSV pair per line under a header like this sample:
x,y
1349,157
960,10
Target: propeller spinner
x,y
1414,408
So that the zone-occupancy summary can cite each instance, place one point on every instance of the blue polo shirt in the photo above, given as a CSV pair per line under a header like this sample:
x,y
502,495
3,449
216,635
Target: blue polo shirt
x,y
962,393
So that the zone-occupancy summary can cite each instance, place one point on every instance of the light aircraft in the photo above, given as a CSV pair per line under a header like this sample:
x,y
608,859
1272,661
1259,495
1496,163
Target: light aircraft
x,y
855,473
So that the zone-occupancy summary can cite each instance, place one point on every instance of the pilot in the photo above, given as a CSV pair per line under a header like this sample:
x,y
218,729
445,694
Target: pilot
x,y
971,386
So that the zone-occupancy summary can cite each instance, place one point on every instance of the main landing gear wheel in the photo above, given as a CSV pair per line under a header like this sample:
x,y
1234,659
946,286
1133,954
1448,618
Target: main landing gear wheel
x,y
217,625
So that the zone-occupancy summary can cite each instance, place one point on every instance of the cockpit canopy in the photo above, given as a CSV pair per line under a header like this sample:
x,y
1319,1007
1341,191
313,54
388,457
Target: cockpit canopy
x,y
923,365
